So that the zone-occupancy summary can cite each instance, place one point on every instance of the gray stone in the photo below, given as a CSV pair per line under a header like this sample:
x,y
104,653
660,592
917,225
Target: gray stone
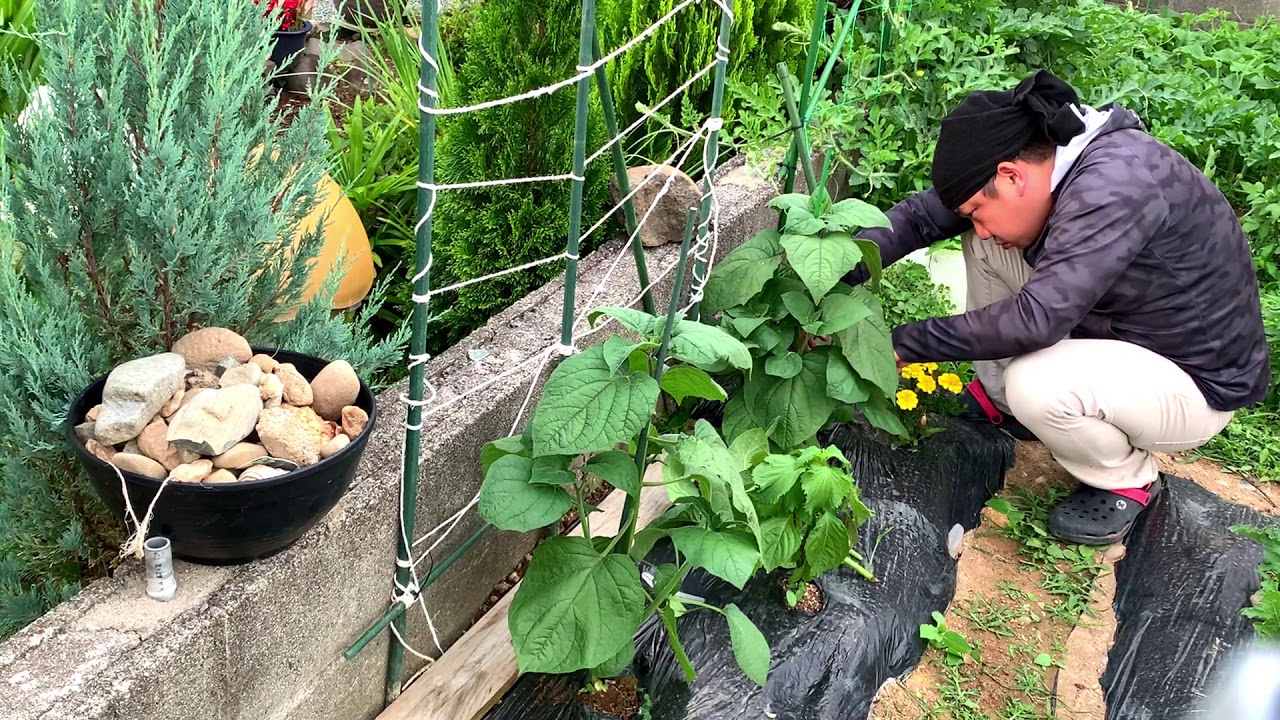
x,y
216,420
154,444
225,365
84,431
666,223
134,393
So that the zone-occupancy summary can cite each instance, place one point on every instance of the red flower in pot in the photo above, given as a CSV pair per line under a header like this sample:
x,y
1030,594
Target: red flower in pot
x,y
294,28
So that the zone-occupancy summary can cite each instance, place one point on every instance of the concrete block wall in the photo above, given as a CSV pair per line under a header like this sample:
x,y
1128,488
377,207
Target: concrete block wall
x,y
264,641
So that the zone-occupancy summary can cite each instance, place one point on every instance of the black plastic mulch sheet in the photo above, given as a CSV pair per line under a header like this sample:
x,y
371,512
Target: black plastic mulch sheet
x,y
828,666
1179,591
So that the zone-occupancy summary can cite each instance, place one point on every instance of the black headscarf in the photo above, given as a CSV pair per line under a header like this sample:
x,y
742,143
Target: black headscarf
x,y
993,126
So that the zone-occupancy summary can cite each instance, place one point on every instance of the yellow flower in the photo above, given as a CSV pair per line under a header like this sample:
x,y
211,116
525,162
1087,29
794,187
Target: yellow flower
x,y
950,382
913,371
919,73
907,400
926,383
932,367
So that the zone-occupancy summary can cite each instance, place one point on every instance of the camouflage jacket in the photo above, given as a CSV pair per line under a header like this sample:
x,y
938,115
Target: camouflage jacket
x,y
1140,247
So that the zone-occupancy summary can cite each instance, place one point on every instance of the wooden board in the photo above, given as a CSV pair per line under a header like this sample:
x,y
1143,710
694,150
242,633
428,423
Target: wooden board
x,y
480,667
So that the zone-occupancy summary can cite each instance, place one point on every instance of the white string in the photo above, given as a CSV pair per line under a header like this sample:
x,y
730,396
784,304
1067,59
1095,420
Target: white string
x,y
652,112
499,182
666,187
458,286
584,71
133,545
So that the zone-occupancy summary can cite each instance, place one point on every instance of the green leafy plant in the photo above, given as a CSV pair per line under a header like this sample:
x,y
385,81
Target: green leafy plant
x,y
118,249
582,599
810,511
780,290
19,54
956,648
1265,610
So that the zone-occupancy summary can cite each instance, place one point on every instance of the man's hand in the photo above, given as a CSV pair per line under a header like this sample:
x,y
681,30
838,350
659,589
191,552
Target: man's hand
x,y
901,363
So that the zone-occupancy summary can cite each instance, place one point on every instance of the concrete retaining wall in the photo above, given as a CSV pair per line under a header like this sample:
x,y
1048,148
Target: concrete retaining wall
x,y
265,640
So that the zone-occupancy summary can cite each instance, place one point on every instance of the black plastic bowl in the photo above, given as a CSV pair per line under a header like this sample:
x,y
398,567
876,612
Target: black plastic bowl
x,y
231,523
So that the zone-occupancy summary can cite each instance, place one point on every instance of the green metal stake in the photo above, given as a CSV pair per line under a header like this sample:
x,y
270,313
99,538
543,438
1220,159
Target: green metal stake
x,y
816,28
398,609
631,507
586,35
418,341
712,150
620,171
800,137
807,105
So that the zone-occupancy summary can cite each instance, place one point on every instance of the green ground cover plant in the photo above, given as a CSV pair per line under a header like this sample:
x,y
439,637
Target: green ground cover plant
x,y
1265,610
166,204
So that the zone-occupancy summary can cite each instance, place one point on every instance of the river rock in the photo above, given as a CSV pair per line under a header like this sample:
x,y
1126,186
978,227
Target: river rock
x,y
201,379
332,447
239,456
92,415
218,419
140,465
105,453
225,365
261,472
154,444
173,404
247,374
297,391
333,388
666,222
192,472
84,431
134,393
132,446
293,434
267,363
207,347
271,390
353,421
220,476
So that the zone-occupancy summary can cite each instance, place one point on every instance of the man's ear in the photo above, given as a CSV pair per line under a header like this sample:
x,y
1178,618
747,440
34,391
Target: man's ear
x,y
1009,173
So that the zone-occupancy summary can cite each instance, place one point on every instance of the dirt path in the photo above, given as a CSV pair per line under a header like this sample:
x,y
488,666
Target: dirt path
x,y
1042,624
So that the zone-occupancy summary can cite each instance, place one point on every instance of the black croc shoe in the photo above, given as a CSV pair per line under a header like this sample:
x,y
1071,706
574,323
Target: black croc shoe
x,y
1090,516
976,405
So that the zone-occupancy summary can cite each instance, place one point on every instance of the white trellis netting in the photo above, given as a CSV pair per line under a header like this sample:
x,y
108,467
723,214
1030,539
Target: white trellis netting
x,y
703,250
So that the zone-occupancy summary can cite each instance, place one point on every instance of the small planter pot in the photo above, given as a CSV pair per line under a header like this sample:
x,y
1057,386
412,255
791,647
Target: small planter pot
x,y
289,43
231,523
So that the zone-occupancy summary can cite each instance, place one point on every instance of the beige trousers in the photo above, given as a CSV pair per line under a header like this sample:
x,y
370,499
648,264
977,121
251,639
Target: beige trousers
x,y
1102,407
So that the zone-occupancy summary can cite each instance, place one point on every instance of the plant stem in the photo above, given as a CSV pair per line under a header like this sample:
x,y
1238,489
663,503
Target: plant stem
x,y
700,604
631,509
800,138
582,511
858,568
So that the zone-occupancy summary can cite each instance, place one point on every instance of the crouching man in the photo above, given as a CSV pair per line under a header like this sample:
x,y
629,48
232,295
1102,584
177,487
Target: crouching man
x,y
1113,305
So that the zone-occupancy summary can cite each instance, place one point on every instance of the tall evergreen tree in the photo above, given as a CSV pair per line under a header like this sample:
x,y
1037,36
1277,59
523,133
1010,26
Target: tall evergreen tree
x,y
156,191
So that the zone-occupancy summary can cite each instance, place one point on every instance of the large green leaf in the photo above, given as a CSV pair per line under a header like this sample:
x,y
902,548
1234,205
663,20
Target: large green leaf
x,y
781,541
618,351
616,468
799,405
827,545
821,262
868,347
744,325
749,448
843,384
728,555
784,366
501,447
743,272
840,311
800,307
552,470
510,502
825,487
871,257
737,418
750,648
683,381
698,344
586,408
878,412
848,215
575,609
775,476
